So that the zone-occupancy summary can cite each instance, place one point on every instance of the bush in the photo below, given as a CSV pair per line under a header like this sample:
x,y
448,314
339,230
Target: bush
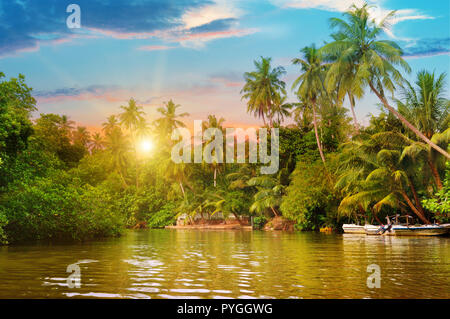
x,y
310,200
59,208
259,222
3,223
439,205
164,217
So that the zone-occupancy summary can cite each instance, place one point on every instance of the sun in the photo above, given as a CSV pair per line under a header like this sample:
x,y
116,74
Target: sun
x,y
146,146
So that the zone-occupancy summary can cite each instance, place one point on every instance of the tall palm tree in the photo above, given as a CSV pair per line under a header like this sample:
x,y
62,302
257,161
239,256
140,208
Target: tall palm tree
x,y
66,125
264,89
111,124
97,143
340,76
376,60
118,146
213,122
131,117
169,119
310,84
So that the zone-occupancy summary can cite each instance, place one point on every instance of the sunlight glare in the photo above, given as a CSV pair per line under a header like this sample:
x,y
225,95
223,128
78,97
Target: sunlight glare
x,y
146,146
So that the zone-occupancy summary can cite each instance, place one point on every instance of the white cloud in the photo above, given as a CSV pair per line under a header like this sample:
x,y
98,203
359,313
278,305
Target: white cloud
x,y
379,11
221,9
328,5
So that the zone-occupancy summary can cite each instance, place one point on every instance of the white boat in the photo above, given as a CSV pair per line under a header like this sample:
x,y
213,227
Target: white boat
x,y
353,229
418,230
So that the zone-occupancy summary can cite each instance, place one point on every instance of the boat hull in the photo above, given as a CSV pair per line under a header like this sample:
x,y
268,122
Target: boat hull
x,y
432,230
353,229
372,229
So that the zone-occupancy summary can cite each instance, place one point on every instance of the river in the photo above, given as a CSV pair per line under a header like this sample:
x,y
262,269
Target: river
x,y
229,264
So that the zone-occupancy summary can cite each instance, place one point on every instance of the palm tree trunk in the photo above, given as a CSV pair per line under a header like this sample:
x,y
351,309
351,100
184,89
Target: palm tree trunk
x,y
407,124
182,188
316,132
435,173
416,197
270,115
122,178
274,211
414,209
352,106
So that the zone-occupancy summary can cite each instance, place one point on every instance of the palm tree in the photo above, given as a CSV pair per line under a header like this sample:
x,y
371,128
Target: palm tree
x,y
131,118
269,194
282,110
118,146
376,172
111,124
375,60
213,122
97,143
66,125
309,84
425,106
169,119
303,117
263,89
434,160
340,76
81,136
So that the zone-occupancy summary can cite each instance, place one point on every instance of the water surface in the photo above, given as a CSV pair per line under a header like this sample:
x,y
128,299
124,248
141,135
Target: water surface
x,y
229,264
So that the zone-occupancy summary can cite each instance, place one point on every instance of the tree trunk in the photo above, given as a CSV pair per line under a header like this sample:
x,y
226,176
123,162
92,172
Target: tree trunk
x,y
182,189
407,124
270,115
316,132
352,106
237,218
435,173
274,211
416,197
122,178
414,209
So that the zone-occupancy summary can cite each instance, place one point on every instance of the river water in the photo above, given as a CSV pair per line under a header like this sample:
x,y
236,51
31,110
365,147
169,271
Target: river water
x,y
229,264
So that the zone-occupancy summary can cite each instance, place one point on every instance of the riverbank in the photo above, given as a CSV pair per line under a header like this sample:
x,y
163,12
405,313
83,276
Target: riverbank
x,y
214,227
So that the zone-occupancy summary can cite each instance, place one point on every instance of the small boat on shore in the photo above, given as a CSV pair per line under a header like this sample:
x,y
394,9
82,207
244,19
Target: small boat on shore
x,y
398,229
417,230
353,229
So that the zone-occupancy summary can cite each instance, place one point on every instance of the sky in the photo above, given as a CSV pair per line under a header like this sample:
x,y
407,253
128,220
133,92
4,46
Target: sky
x,y
194,52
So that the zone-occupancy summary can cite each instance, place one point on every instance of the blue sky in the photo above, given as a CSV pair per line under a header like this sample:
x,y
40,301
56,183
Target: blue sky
x,y
194,52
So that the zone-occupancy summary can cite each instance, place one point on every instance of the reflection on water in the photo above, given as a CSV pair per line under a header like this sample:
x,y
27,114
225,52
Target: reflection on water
x,y
228,264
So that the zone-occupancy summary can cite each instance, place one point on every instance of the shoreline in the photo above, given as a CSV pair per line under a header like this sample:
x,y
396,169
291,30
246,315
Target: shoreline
x,y
212,227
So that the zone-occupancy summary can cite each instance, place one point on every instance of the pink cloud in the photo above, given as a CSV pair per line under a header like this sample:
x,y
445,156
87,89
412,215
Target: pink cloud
x,y
206,36
123,35
155,47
